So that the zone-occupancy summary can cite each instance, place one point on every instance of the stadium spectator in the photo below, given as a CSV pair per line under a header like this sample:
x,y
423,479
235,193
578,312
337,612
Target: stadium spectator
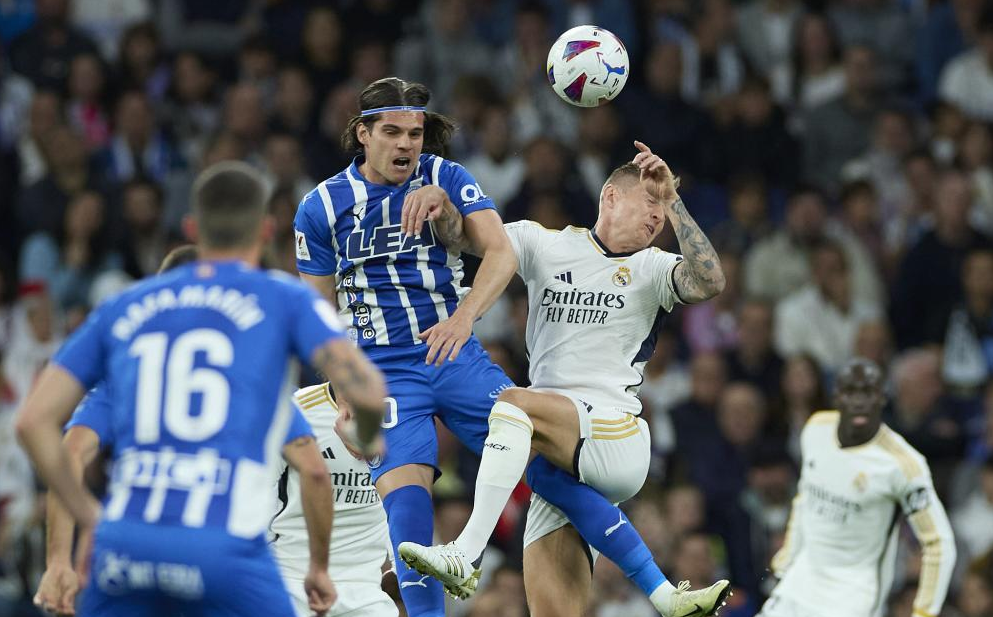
x,y
874,341
814,74
965,330
323,52
922,414
15,103
43,52
801,393
779,265
42,206
695,421
244,118
69,261
893,139
749,220
495,165
192,109
599,148
822,318
967,81
284,164
549,173
713,69
145,239
138,147
860,216
536,108
443,48
753,358
912,218
86,104
944,35
975,153
925,276
213,29
764,29
282,247
754,139
713,326
839,130
883,25
677,127
142,64
970,520
667,385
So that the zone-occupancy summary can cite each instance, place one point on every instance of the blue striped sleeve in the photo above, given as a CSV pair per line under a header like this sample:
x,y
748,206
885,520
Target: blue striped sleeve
x,y
463,189
312,228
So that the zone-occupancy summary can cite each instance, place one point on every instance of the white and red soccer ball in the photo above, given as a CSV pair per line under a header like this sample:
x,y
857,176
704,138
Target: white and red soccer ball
x,y
587,66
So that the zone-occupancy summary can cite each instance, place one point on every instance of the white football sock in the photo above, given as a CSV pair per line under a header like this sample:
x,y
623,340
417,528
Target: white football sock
x,y
661,598
505,455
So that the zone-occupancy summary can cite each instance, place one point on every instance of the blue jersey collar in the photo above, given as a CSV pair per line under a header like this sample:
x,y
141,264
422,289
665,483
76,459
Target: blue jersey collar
x,y
353,169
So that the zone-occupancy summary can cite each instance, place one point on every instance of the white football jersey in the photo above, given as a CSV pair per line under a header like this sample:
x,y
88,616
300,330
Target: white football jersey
x,y
359,535
840,549
593,316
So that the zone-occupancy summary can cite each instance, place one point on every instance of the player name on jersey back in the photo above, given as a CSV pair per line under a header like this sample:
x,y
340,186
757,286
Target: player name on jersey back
x,y
197,366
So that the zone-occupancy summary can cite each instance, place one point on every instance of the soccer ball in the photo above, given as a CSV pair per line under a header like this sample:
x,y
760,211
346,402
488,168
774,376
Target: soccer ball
x,y
587,66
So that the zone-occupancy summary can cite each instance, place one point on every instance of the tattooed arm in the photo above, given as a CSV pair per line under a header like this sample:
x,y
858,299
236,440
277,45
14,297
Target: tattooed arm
x,y
431,203
357,382
699,276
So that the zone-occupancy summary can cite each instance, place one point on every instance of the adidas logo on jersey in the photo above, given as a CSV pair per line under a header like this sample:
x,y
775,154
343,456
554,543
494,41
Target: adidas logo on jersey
x,y
565,277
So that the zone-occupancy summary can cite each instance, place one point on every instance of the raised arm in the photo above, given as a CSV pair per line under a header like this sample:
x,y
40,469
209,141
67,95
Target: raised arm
x,y
356,382
699,276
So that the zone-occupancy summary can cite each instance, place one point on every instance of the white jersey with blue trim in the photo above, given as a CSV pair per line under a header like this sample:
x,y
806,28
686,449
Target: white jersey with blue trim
x,y
198,365
390,287
593,315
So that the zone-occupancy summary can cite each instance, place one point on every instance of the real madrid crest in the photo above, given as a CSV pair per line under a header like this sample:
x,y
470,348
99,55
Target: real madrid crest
x,y
622,278
861,482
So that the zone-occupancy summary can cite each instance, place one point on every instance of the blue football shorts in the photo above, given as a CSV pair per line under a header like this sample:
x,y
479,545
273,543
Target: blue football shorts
x,y
159,570
460,393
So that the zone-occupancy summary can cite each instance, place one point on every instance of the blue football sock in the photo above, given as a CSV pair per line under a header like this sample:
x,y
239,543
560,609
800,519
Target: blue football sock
x,y
599,522
410,515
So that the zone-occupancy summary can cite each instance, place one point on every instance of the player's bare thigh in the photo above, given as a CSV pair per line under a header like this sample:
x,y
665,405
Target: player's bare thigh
x,y
557,577
556,427
405,475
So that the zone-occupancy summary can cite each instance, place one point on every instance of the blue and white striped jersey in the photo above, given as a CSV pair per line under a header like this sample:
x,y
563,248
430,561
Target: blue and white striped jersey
x,y
199,365
390,287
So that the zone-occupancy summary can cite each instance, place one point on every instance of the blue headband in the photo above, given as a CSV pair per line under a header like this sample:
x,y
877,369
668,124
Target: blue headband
x,y
379,110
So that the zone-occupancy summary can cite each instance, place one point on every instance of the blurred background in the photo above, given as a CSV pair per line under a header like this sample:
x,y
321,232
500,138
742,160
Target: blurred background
x,y
838,153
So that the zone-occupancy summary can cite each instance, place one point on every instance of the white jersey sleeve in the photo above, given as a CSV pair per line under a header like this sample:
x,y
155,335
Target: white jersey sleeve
x,y
525,236
913,489
664,265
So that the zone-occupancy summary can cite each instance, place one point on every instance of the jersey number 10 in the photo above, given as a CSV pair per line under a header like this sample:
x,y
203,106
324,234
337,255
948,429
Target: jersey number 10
x,y
158,362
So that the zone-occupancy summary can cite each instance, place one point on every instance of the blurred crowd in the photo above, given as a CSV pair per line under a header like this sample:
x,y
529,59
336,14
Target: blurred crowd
x,y
838,153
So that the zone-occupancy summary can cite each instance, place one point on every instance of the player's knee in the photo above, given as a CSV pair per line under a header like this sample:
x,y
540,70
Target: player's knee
x,y
515,396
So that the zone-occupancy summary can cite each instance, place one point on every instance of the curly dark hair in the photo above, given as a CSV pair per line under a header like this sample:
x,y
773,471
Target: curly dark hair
x,y
391,91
